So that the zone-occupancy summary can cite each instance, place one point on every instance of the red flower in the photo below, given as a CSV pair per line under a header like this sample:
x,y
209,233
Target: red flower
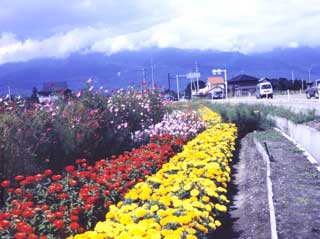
x,y
56,177
33,236
74,226
58,224
23,183
5,224
48,172
70,168
18,191
30,179
19,177
74,218
5,183
20,235
38,177
87,207
58,214
28,213
63,196
73,183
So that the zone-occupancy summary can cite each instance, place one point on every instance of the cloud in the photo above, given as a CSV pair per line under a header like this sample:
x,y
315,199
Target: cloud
x,y
56,29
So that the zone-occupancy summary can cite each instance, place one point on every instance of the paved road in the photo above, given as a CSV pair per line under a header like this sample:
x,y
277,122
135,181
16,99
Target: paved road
x,y
297,102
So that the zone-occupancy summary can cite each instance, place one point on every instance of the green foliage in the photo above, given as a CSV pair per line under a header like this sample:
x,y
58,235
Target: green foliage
x,y
247,117
251,117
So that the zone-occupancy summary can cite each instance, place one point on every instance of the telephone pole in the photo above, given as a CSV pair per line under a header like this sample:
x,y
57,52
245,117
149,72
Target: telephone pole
x,y
197,76
143,75
9,92
152,80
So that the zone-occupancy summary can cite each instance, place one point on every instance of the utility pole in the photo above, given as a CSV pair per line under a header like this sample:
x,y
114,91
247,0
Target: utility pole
x,y
309,71
292,76
143,75
152,80
9,92
169,78
177,78
197,77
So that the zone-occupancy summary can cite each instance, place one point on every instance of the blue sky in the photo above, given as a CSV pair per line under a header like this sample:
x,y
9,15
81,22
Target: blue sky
x,y
57,28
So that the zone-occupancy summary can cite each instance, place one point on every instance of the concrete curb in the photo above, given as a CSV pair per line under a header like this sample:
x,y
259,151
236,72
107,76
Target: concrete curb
x,y
311,159
303,135
272,213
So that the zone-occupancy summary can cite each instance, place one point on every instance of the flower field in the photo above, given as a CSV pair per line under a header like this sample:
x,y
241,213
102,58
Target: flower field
x,y
148,191
184,199
51,205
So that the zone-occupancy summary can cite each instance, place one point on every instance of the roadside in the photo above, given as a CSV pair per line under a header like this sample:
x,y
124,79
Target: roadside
x,y
296,188
297,103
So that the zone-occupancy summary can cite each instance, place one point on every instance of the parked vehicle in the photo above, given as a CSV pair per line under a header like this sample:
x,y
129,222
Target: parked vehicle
x,y
313,90
264,90
216,94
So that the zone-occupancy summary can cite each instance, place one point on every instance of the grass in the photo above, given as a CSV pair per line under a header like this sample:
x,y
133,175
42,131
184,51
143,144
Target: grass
x,y
248,117
268,135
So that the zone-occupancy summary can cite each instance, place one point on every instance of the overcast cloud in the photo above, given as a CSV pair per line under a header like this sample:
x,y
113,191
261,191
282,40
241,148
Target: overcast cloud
x,y
45,28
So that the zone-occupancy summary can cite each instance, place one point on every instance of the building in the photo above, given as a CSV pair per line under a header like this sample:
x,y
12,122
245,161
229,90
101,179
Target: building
x,y
214,83
242,85
52,90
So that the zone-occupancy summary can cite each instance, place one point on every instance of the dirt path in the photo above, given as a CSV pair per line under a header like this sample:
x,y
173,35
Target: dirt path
x,y
251,205
295,185
296,188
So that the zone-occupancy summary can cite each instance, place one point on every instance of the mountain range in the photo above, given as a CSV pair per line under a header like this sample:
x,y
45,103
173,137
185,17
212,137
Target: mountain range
x,y
131,67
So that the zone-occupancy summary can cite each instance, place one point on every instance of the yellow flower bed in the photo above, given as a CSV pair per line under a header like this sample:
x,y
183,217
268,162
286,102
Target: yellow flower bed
x,y
209,117
184,199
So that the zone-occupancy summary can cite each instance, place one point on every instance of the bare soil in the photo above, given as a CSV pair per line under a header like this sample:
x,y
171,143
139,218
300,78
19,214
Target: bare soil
x,y
250,210
296,189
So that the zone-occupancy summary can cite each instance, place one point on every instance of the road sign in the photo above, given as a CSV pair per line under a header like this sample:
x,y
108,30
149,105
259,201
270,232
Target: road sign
x,y
193,75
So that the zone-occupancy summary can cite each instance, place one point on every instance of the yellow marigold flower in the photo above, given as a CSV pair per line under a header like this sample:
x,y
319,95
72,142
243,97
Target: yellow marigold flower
x,y
133,195
154,208
187,187
140,212
224,198
125,219
191,237
194,192
221,208
202,228
208,208
205,199
212,226
217,223
110,215
166,232
220,189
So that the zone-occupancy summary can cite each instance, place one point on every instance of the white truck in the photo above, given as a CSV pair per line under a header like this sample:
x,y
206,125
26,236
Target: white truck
x,y
264,90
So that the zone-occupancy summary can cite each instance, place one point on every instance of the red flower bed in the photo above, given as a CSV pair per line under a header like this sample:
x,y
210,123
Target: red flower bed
x,y
54,206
